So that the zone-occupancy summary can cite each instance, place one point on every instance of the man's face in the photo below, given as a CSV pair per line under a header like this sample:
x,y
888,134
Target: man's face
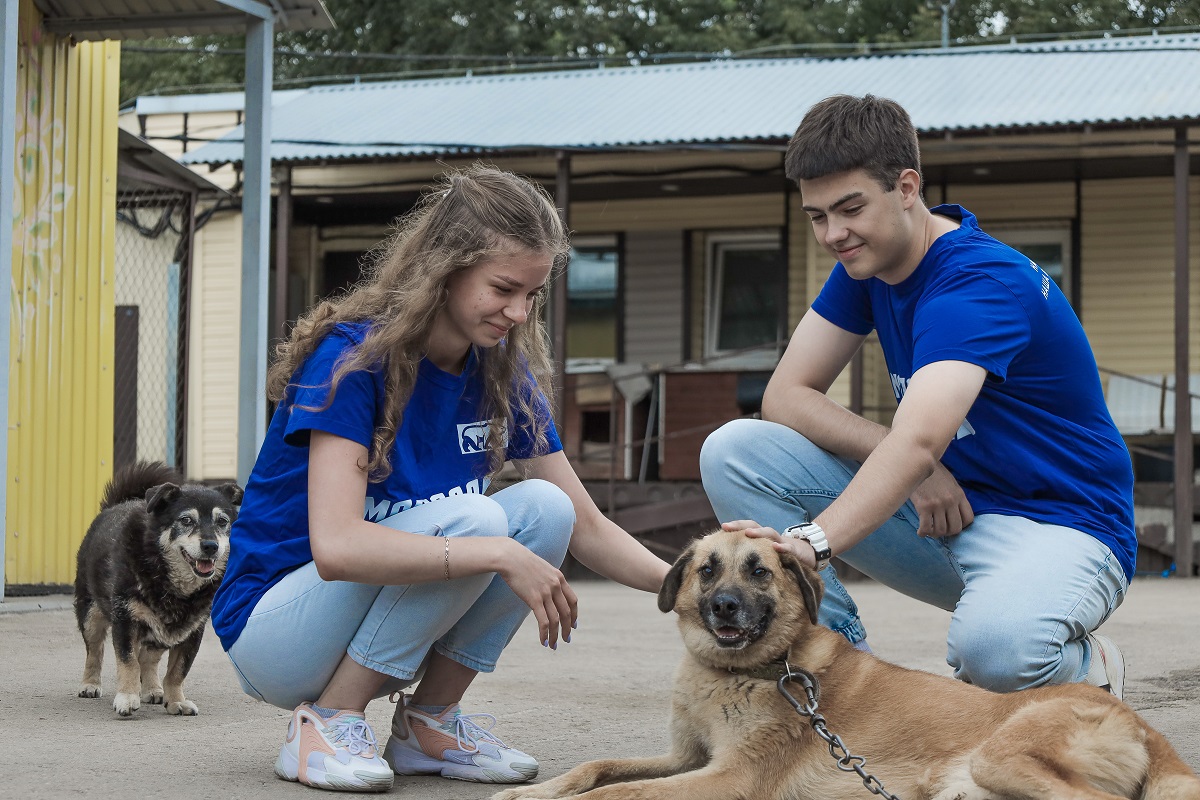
x,y
863,225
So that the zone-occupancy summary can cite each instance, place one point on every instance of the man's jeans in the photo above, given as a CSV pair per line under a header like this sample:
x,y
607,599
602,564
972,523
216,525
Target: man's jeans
x,y
1024,594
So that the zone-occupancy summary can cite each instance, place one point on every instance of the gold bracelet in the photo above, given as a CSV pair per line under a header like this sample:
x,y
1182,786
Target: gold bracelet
x,y
447,542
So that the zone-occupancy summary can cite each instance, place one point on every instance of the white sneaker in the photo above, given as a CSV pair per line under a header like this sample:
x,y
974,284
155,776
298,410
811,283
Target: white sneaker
x,y
336,753
1107,669
454,745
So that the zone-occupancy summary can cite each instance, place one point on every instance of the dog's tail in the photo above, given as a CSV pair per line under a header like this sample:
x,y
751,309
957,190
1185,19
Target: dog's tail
x,y
132,482
1168,778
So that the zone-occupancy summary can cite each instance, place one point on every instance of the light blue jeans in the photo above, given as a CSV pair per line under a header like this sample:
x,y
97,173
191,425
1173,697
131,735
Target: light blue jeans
x,y
1024,594
303,626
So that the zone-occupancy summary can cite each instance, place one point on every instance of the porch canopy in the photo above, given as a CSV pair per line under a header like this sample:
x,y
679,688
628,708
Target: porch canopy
x,y
137,19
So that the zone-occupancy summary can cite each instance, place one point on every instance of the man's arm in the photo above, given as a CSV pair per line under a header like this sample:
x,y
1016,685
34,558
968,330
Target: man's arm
x,y
935,404
795,396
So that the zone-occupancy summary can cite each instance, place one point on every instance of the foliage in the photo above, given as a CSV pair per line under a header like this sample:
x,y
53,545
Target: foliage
x,y
423,37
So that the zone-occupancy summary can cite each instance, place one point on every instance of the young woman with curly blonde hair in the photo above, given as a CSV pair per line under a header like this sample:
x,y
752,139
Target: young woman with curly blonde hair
x,y
367,554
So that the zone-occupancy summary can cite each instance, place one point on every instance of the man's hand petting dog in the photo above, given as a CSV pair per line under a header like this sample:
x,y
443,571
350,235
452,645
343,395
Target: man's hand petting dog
x,y
798,549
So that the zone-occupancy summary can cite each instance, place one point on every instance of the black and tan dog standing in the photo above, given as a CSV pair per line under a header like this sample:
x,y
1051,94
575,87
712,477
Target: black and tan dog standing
x,y
743,611
148,568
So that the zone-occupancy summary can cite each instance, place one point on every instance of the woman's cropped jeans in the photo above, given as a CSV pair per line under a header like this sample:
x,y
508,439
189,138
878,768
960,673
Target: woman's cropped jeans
x,y
303,626
1024,594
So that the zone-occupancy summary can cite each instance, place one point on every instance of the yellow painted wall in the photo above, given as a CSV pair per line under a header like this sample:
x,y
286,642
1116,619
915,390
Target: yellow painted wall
x,y
60,410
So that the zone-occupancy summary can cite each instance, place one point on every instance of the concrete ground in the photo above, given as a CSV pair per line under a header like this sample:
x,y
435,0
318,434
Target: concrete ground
x,y
606,694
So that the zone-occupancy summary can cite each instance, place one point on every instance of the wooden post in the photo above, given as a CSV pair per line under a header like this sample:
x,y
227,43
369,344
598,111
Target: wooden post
x,y
1183,399
283,230
558,305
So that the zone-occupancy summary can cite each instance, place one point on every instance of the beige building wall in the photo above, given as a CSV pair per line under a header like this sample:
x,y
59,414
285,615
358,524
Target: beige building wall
x,y
213,342
1129,273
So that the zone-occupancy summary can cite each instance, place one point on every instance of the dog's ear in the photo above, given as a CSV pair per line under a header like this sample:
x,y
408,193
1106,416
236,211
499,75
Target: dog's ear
x,y
232,491
671,583
157,497
811,587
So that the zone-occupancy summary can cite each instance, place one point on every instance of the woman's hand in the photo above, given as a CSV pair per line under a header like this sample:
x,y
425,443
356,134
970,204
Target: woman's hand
x,y
798,549
541,587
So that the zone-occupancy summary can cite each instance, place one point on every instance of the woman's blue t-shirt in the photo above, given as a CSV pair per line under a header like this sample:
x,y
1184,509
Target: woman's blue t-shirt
x,y
1039,441
440,452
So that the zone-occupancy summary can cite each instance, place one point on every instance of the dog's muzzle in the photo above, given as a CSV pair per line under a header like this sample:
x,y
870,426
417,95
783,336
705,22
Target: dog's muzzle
x,y
733,621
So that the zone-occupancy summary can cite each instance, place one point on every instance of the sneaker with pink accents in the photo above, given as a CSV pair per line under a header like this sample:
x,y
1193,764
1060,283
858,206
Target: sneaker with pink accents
x,y
454,745
337,753
1107,668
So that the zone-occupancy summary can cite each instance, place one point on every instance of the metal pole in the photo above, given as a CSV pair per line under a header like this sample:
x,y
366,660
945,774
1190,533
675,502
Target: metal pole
x,y
8,174
256,215
946,24
283,230
1183,399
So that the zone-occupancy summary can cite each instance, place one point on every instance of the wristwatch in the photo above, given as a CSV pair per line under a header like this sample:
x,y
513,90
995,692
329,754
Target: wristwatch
x,y
812,533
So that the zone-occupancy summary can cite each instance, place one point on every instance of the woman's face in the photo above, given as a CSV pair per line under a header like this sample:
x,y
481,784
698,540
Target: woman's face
x,y
487,300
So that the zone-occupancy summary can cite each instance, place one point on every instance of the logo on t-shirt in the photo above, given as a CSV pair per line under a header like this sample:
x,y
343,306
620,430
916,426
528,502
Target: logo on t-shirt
x,y
473,437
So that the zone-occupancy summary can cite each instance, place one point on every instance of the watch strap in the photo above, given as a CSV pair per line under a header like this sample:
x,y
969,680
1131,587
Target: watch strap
x,y
815,536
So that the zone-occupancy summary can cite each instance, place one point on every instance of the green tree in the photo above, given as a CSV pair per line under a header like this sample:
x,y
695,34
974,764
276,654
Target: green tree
x,y
422,37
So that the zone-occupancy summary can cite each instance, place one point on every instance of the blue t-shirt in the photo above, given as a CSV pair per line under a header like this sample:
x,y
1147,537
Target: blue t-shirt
x,y
1038,442
440,451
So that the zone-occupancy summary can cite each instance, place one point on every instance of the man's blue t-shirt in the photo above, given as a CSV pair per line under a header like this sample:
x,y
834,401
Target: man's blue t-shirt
x,y
440,451
1038,442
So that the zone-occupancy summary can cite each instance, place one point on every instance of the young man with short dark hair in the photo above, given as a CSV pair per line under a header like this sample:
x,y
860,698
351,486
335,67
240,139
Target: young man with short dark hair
x,y
1002,490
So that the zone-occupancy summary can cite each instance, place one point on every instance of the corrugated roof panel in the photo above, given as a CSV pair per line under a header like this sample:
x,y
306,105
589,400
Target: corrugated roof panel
x,y
734,101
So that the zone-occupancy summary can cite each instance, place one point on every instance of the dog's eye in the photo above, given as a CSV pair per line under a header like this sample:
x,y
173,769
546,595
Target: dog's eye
x,y
759,572
186,522
706,571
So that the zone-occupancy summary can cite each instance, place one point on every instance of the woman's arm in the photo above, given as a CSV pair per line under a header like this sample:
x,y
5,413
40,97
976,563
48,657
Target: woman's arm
x,y
347,547
599,543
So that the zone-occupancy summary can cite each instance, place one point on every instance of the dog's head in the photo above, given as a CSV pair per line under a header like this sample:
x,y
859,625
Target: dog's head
x,y
740,603
192,525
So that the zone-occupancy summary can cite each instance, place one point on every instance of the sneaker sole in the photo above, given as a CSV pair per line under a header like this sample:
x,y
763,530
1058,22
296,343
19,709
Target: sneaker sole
x,y
287,767
405,761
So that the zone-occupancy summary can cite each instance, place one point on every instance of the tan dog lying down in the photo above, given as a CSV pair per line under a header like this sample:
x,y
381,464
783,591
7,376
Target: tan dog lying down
x,y
924,736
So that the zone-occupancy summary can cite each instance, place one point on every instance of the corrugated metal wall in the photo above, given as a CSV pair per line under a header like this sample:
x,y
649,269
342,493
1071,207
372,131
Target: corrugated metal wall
x,y
60,404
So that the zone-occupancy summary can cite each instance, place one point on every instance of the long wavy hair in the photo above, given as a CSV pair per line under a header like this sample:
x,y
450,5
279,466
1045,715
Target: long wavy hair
x,y
470,215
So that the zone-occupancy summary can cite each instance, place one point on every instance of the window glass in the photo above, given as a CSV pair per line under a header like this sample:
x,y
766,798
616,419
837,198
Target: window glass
x,y
747,301
592,301
750,297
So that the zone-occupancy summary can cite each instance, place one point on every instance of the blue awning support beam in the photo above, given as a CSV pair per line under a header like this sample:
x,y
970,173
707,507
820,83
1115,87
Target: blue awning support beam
x,y
1184,467
8,176
256,217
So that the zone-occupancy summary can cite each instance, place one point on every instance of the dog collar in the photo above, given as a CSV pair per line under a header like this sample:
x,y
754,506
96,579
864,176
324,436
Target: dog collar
x,y
771,671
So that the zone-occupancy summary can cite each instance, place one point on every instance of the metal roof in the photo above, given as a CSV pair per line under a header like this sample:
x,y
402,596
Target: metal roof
x,y
140,164
139,19
730,102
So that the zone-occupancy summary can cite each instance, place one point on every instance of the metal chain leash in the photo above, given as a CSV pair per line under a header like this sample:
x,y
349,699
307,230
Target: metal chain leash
x,y
846,761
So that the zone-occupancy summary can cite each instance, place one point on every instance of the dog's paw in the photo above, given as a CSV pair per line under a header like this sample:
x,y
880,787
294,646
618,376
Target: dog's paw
x,y
511,794
152,697
90,690
125,703
184,708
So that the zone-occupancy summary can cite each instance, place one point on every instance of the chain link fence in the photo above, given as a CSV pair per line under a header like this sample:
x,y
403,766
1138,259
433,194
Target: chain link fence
x,y
152,256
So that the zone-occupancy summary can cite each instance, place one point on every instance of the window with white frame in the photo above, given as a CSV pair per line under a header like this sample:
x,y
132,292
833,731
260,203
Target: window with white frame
x,y
747,302
1047,245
